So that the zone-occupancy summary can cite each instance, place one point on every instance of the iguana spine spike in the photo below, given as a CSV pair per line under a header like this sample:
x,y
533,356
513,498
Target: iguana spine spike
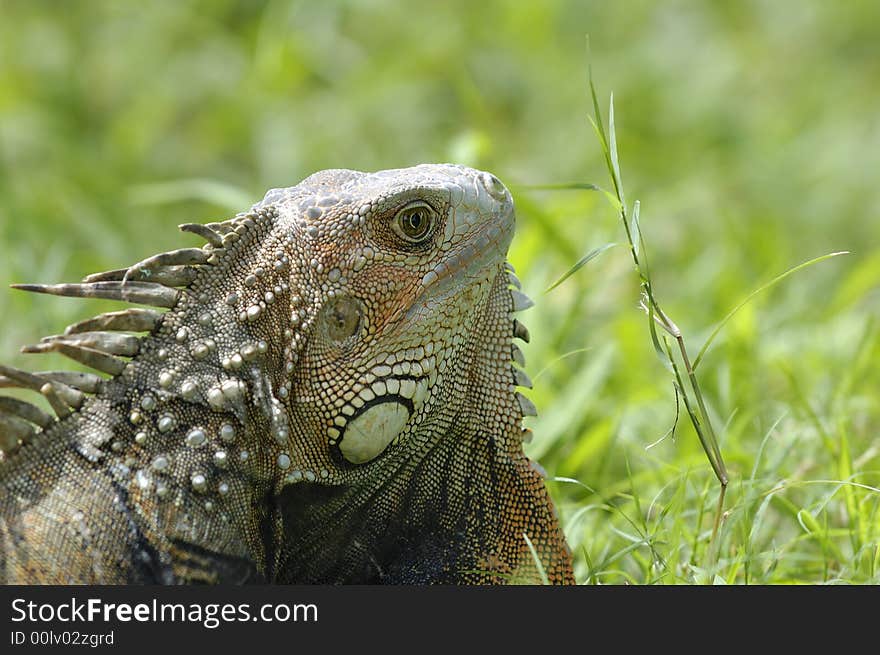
x,y
49,391
135,319
203,231
16,427
23,379
222,229
527,406
142,293
105,276
25,410
520,300
179,257
95,359
170,276
111,343
80,381
521,379
72,397
169,268
60,395
77,380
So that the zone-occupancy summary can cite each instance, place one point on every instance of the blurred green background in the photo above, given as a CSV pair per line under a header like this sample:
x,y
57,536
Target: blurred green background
x,y
749,131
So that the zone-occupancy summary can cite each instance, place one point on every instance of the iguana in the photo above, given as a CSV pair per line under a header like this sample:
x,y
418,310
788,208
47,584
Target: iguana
x,y
329,397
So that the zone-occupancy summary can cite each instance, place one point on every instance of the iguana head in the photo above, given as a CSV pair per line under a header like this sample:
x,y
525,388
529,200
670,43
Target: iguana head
x,y
347,343
398,268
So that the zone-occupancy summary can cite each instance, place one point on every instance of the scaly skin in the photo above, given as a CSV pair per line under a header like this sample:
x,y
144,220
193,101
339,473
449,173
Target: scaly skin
x,y
329,398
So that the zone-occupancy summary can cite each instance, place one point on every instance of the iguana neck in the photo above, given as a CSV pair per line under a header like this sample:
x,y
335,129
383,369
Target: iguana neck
x,y
450,508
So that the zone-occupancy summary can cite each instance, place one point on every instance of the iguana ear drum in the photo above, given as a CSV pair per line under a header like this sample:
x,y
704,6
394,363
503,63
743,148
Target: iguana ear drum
x,y
368,433
342,318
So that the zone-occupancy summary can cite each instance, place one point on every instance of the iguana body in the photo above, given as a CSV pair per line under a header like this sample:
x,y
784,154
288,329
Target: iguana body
x,y
329,398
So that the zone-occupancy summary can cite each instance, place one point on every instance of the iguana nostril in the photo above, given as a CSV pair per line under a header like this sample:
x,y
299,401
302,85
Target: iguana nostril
x,y
495,187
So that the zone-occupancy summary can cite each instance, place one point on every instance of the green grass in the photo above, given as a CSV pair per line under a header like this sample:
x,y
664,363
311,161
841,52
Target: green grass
x,y
747,131
662,524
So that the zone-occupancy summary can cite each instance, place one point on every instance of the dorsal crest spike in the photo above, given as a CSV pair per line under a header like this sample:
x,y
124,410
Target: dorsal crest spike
x,y
25,410
203,231
134,319
53,391
91,357
81,381
112,343
16,427
141,293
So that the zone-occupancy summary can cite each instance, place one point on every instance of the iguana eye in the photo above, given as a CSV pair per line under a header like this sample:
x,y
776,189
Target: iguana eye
x,y
414,222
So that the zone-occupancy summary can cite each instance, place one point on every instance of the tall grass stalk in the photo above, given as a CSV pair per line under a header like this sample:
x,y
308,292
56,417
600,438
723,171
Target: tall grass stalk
x,y
691,397
676,359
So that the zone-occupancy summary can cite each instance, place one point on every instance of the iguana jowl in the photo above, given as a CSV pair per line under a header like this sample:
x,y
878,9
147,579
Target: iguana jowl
x,y
330,398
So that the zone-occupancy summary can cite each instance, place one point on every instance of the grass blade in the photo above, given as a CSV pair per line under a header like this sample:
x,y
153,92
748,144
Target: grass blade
x,y
595,252
538,565
564,186
612,149
754,293
635,231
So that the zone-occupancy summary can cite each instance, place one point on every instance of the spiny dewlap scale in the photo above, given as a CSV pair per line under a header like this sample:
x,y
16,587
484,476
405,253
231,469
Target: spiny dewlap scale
x,y
324,392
